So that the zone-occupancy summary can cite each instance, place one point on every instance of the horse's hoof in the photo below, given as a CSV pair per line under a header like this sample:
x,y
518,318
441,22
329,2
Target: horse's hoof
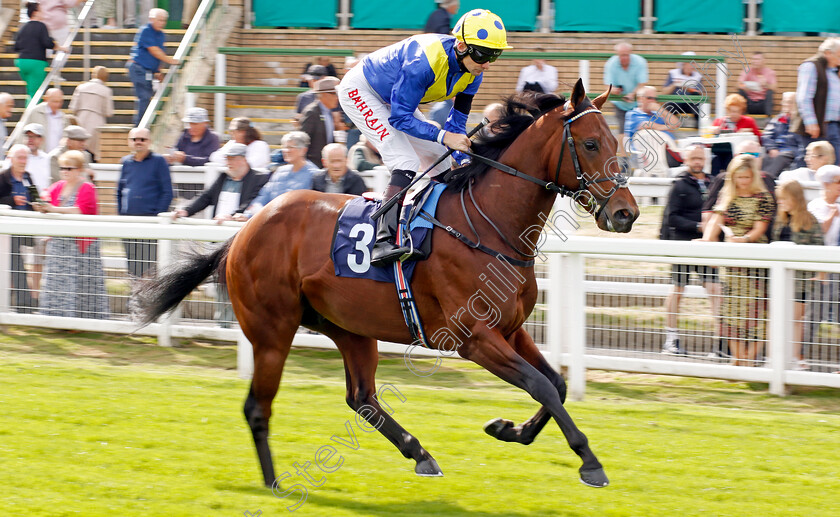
x,y
428,468
496,427
594,478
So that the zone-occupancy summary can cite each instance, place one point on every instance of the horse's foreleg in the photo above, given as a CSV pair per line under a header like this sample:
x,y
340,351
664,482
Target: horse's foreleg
x,y
360,360
525,433
491,351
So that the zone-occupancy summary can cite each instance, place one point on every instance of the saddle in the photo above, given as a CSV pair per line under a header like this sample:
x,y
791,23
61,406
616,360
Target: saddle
x,y
354,234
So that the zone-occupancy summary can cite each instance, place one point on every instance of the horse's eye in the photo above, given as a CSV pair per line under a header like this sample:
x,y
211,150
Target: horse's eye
x,y
591,145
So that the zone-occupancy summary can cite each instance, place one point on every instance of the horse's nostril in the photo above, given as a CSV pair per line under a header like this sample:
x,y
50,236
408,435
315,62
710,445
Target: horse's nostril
x,y
622,216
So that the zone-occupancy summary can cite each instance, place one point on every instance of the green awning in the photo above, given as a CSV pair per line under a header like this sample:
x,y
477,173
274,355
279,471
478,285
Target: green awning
x,y
311,13
725,16
808,16
603,16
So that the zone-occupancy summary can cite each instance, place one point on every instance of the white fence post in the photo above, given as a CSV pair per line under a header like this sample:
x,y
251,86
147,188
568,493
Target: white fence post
x,y
5,273
164,258
554,314
780,327
244,357
574,322
583,72
219,98
721,74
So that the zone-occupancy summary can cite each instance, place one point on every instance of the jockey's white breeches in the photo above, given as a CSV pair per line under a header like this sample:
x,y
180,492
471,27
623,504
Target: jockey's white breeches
x,y
370,114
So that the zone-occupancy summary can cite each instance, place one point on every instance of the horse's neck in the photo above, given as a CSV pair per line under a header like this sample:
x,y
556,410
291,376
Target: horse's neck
x,y
517,204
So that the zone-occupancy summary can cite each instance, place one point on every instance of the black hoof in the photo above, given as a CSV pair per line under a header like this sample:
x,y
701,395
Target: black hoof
x,y
594,478
428,468
497,428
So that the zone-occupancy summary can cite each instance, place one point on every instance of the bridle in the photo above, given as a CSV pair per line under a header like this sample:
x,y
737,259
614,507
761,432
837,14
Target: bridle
x,y
592,205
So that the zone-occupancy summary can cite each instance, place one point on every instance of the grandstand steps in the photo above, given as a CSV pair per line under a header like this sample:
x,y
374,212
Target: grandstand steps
x,y
108,47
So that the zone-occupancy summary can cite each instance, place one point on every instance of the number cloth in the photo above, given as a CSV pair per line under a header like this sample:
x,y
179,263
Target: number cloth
x,y
354,236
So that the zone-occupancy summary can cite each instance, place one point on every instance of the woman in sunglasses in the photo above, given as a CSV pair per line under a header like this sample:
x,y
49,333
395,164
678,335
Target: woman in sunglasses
x,y
74,282
382,95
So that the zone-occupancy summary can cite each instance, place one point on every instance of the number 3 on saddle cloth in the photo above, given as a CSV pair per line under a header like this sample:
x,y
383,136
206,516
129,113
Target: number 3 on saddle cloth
x,y
353,241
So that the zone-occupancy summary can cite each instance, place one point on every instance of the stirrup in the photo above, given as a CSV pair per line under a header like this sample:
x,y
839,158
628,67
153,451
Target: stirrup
x,y
385,253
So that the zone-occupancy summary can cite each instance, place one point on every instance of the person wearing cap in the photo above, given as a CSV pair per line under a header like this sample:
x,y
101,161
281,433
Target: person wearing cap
x,y
295,175
48,114
144,188
684,80
146,57
382,95
324,61
233,190
197,142
38,163
75,139
826,207
92,103
14,181
242,131
313,74
317,119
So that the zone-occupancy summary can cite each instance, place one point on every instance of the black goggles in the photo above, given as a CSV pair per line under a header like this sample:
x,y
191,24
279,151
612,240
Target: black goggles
x,y
481,55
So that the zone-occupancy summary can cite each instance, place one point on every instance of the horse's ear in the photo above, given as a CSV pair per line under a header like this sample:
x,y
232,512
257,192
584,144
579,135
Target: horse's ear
x,y
601,99
578,93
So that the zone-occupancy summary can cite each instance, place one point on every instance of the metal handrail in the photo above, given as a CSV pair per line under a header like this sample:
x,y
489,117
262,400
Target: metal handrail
x,y
58,63
181,53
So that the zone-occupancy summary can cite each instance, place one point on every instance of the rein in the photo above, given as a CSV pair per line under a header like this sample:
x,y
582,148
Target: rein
x,y
554,186
591,205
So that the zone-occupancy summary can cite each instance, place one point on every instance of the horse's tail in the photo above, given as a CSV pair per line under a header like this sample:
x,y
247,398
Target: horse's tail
x,y
162,294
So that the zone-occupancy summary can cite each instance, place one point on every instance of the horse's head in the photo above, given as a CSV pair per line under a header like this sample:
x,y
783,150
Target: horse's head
x,y
588,166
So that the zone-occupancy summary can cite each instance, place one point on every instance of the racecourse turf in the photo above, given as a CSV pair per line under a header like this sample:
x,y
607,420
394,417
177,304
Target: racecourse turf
x,y
99,425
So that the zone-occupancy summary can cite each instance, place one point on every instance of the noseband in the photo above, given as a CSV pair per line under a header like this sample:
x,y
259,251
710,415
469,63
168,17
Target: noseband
x,y
593,205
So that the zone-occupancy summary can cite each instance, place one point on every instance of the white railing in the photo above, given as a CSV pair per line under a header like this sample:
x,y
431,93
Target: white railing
x,y
563,318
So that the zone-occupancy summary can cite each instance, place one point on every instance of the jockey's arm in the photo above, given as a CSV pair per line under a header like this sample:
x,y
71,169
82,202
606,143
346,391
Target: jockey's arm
x,y
406,95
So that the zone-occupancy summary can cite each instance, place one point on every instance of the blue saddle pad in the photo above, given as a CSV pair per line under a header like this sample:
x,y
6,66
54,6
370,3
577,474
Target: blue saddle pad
x,y
355,233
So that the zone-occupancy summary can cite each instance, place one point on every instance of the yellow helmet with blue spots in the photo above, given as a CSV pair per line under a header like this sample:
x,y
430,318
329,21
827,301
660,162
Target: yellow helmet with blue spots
x,y
481,28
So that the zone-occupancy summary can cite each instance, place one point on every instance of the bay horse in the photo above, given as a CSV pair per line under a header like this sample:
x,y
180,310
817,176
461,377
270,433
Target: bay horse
x,y
280,276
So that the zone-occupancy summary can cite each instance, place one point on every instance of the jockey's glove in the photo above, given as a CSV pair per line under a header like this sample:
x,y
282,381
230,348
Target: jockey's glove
x,y
460,158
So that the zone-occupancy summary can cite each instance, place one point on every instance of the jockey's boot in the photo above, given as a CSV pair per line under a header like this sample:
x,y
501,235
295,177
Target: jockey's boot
x,y
384,250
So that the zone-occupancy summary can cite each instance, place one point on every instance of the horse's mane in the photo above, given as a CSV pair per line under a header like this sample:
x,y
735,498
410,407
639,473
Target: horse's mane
x,y
520,111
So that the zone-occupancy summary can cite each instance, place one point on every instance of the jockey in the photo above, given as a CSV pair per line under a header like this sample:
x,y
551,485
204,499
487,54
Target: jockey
x,y
381,96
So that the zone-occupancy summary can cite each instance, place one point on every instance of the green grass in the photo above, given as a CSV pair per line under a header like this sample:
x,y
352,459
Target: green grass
x,y
99,425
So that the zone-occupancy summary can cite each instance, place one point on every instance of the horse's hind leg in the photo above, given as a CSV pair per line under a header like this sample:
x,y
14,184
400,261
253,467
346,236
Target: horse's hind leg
x,y
271,348
491,351
360,360
525,433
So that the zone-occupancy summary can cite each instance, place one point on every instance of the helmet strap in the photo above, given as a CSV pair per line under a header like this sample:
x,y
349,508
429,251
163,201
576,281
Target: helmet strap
x,y
460,55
